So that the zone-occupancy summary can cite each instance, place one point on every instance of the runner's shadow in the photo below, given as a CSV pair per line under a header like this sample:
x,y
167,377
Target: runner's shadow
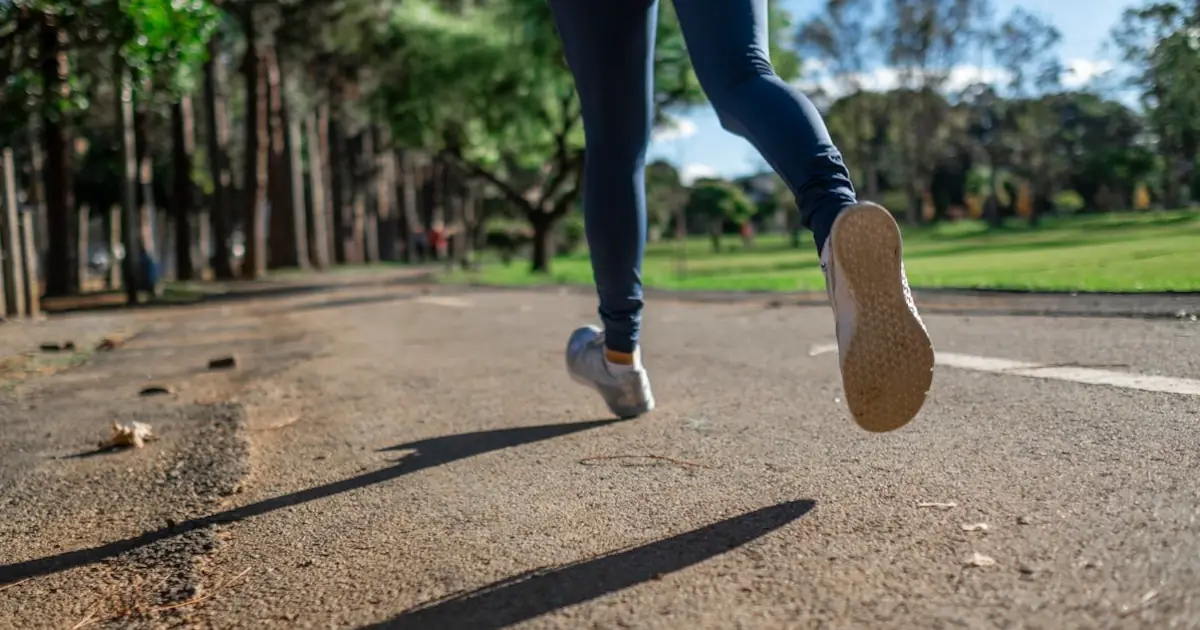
x,y
528,595
425,454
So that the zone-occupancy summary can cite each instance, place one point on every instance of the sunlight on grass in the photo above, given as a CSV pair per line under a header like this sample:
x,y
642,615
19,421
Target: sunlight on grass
x,y
1116,252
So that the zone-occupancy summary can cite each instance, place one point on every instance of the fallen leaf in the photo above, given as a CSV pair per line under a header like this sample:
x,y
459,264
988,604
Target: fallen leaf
x,y
979,560
975,527
134,434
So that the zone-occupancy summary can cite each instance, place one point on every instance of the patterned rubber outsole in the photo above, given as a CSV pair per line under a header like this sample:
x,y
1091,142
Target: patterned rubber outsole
x,y
888,366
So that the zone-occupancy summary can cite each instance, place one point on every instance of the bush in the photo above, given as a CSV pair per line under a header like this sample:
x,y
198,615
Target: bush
x,y
506,237
1068,202
571,234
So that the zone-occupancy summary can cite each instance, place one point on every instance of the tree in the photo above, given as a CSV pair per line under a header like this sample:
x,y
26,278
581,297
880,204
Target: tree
x,y
488,90
717,202
925,40
49,52
665,196
1160,41
839,37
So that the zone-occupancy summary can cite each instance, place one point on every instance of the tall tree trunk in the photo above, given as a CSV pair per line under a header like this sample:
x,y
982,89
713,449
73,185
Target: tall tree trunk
x,y
37,196
112,228
872,179
412,225
285,251
543,240
319,227
82,223
388,210
125,108
59,189
339,210
468,216
254,180
11,240
147,211
33,294
370,198
992,205
296,178
358,200
327,169
184,141
217,131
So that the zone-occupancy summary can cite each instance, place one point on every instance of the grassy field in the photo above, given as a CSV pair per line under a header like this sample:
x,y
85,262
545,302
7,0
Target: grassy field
x,y
1153,251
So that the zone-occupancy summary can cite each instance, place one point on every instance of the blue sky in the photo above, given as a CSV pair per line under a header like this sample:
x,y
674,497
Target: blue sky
x,y
700,147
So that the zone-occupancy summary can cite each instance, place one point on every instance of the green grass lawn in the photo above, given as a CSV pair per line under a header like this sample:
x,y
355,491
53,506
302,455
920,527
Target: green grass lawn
x,y
1152,251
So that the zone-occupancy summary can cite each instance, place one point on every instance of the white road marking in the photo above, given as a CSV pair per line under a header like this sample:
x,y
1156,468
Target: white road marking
x,y
822,348
1090,376
451,302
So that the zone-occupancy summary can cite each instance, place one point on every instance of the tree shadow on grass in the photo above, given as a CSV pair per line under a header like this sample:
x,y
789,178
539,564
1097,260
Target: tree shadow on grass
x,y
528,595
426,454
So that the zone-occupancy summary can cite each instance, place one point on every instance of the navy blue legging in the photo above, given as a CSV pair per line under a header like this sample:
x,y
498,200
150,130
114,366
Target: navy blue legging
x,y
609,46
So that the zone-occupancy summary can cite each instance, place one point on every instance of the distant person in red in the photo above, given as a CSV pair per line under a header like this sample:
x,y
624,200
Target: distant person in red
x,y
437,240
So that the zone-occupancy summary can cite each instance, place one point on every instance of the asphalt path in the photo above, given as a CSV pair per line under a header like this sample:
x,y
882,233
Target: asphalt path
x,y
400,456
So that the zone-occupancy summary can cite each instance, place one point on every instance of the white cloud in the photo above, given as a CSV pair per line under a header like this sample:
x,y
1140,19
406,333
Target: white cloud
x,y
674,129
1080,72
831,86
691,172
821,83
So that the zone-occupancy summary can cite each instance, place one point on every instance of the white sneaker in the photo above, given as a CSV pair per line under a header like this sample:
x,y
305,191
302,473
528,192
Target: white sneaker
x,y
625,389
886,356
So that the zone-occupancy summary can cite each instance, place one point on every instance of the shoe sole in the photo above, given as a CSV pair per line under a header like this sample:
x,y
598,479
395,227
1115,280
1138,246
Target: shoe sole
x,y
623,414
888,368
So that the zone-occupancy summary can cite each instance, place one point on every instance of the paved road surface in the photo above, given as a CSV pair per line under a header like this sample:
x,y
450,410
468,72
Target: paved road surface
x,y
390,457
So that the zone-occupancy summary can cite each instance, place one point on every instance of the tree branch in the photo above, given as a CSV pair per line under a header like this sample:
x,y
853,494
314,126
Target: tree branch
x,y
475,170
566,168
563,205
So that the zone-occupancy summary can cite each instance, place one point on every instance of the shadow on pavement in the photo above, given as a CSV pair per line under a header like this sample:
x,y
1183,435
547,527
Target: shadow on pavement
x,y
529,595
426,454
229,291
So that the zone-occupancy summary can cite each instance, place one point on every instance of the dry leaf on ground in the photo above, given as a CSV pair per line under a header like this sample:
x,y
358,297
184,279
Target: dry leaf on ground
x,y
134,434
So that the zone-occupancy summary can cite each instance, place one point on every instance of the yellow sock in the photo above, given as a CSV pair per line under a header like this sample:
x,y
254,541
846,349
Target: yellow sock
x,y
618,358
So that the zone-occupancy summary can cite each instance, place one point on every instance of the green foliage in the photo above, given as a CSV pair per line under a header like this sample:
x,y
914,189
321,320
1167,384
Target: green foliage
x,y
491,80
665,194
167,40
488,83
1068,202
1160,42
720,200
572,234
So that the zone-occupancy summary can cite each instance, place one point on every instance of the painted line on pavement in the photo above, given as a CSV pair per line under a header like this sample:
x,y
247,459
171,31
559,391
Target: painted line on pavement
x,y
1074,374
